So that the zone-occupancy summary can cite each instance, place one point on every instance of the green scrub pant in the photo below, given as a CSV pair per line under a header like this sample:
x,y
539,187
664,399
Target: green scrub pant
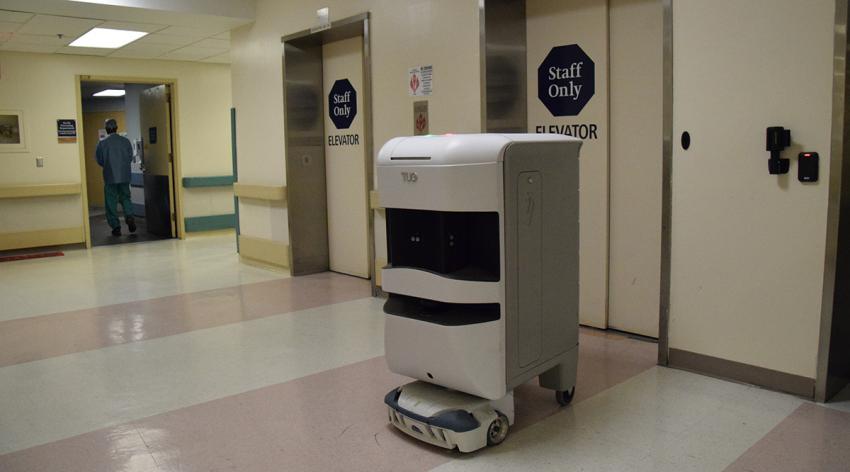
x,y
113,194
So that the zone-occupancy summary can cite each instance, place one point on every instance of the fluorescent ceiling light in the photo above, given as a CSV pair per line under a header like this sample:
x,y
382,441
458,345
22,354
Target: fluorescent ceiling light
x,y
107,38
109,93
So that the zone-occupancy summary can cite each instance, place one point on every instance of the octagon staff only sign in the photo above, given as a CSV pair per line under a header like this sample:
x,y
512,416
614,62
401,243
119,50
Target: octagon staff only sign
x,y
566,82
342,108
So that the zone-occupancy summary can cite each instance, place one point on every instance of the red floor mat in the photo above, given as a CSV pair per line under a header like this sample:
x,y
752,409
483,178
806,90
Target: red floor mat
x,y
39,255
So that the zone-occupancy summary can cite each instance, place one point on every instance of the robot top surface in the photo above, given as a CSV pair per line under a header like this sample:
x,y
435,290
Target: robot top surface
x,y
454,149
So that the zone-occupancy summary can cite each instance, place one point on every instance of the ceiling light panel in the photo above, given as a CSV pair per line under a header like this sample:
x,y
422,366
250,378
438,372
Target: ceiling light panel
x,y
110,93
106,38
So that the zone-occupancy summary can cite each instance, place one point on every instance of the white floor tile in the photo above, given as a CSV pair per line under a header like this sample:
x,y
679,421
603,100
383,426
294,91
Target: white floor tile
x,y
109,275
663,419
73,394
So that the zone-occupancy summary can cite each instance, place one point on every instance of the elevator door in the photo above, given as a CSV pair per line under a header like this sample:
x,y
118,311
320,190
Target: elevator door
x,y
345,158
635,120
747,247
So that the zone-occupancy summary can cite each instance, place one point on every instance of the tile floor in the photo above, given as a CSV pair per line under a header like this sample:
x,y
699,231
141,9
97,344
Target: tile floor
x,y
173,356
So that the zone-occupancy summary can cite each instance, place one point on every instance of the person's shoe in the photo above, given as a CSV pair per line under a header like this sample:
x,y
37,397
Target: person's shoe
x,y
116,231
131,225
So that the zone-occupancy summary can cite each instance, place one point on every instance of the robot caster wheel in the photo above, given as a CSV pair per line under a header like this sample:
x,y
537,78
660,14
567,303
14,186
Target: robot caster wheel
x,y
498,430
565,397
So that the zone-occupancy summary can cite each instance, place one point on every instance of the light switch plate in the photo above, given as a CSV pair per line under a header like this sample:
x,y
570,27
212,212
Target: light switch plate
x,y
39,161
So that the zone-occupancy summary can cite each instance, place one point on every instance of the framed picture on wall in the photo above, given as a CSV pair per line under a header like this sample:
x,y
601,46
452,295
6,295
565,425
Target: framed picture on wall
x,y
12,136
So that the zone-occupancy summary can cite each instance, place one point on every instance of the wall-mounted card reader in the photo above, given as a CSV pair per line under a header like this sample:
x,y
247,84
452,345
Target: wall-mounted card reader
x,y
807,166
778,138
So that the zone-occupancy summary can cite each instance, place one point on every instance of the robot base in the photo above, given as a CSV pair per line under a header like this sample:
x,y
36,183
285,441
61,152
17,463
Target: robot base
x,y
448,418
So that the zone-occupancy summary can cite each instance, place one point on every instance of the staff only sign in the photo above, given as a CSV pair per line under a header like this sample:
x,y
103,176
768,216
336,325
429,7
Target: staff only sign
x,y
566,81
342,108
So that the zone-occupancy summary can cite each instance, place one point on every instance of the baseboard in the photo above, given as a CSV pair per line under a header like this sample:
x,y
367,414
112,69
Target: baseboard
x,y
740,372
209,223
40,238
264,251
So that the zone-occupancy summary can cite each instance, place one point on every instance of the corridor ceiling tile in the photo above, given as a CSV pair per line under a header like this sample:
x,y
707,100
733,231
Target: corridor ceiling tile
x,y
22,47
211,43
15,16
219,59
134,54
193,31
120,25
192,53
39,39
85,51
48,24
159,38
152,49
8,27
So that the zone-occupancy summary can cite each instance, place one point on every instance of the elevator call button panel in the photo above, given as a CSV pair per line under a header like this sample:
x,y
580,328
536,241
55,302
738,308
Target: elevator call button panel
x,y
807,167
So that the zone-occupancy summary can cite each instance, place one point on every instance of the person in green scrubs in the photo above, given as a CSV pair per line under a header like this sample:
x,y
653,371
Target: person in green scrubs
x,y
114,154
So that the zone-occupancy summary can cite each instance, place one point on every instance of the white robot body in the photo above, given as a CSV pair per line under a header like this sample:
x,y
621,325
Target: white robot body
x,y
482,236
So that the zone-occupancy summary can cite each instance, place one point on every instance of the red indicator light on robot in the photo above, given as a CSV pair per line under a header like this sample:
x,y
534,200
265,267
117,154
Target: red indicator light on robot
x,y
807,155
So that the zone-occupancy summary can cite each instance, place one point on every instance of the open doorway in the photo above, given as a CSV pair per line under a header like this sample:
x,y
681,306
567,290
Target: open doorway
x,y
143,115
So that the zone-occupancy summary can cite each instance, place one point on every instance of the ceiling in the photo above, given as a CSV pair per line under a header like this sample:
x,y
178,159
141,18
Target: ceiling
x,y
203,40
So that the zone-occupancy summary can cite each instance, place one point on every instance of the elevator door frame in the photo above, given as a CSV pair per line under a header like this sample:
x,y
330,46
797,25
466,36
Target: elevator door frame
x,y
304,136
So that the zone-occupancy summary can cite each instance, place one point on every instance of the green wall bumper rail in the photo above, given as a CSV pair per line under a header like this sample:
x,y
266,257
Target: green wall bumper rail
x,y
213,181
209,223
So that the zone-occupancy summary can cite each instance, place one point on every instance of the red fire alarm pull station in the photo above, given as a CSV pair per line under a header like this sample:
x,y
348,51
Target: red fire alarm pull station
x,y
807,166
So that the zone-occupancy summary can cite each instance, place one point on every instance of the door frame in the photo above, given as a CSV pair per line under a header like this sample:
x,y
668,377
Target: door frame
x,y
353,26
666,182
176,167
835,318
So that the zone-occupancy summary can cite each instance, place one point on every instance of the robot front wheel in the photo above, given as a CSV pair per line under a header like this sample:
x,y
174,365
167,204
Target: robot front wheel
x,y
498,430
565,397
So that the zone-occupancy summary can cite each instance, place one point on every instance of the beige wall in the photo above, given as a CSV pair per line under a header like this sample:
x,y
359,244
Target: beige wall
x,y
748,247
404,34
43,86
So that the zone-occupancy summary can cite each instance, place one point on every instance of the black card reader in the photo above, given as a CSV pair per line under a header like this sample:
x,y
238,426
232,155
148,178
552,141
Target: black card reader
x,y
807,166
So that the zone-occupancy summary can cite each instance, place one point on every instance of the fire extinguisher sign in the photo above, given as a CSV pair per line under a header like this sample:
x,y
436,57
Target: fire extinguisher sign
x,y
420,80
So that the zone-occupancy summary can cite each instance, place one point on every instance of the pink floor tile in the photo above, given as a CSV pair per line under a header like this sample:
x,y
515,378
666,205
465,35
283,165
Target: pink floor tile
x,y
41,337
813,438
333,420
